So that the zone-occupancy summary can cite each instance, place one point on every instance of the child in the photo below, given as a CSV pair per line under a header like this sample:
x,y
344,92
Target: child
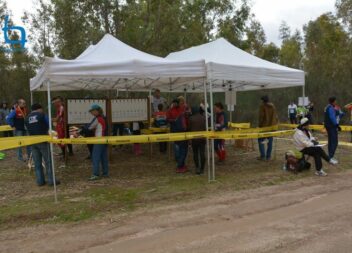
x,y
100,151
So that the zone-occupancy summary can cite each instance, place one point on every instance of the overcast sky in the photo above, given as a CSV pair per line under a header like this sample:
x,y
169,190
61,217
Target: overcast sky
x,y
269,12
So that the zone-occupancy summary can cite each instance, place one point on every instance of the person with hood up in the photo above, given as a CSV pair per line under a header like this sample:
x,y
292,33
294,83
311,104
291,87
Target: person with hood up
x,y
308,145
267,118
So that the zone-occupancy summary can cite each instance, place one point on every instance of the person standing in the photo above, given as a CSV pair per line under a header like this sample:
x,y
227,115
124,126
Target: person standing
x,y
197,122
307,144
16,120
267,118
60,124
100,151
158,99
160,121
310,109
37,123
292,113
220,125
332,126
177,119
4,112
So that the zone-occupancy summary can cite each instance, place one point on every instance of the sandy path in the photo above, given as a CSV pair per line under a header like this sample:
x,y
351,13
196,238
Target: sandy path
x,y
311,215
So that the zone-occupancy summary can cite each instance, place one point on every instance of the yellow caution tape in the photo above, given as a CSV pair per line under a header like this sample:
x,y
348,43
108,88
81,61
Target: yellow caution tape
x,y
155,130
240,125
5,128
15,142
252,133
317,127
238,136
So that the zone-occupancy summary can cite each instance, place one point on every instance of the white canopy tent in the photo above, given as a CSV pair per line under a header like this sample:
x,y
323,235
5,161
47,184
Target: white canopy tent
x,y
232,69
113,65
229,67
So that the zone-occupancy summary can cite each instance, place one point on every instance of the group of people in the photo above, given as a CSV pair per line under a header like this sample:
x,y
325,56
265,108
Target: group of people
x,y
308,145
179,117
296,113
36,122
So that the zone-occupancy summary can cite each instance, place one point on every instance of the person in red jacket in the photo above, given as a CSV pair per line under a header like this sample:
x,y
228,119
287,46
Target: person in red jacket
x,y
176,118
60,124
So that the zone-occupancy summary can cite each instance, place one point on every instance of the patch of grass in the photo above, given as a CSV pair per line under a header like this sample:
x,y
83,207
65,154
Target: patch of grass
x,y
133,183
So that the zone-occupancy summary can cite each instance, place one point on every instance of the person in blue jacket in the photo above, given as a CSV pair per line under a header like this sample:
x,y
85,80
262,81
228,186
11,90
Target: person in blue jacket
x,y
37,123
16,120
332,126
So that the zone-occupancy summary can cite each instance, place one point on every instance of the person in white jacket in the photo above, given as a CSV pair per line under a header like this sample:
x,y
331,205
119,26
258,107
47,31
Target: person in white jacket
x,y
308,145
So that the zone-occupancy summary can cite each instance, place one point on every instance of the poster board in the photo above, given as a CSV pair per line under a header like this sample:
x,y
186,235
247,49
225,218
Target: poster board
x,y
303,101
129,110
78,110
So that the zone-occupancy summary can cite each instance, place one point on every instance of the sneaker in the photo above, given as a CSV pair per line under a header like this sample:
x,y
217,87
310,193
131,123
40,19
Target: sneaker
x,y
261,158
94,178
333,161
321,173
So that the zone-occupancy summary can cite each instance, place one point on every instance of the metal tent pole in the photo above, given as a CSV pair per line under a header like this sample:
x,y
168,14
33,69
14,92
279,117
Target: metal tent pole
x,y
51,144
212,128
206,124
31,97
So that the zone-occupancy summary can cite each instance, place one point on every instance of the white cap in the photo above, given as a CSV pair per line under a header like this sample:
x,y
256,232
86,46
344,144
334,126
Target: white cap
x,y
304,121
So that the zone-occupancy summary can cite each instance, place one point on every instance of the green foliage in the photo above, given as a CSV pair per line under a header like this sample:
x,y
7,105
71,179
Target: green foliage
x,y
344,11
327,60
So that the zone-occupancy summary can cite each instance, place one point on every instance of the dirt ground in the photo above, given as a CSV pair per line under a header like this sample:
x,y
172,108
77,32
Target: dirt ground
x,y
310,214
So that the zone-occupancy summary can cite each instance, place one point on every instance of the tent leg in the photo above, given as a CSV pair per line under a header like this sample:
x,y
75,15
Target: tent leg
x,y
212,128
206,125
51,144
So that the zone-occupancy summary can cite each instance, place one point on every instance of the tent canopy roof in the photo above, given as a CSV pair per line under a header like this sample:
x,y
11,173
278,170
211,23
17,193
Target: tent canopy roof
x,y
231,67
112,64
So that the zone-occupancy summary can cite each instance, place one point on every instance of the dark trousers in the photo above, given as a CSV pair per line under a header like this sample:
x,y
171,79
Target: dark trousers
x,y
181,150
318,153
40,153
293,118
333,140
198,147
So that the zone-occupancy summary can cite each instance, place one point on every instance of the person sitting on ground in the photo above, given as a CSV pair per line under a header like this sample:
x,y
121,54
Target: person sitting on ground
x,y
308,145
197,122
37,123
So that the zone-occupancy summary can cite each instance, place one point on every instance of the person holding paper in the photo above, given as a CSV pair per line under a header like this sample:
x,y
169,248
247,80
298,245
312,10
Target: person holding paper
x,y
308,145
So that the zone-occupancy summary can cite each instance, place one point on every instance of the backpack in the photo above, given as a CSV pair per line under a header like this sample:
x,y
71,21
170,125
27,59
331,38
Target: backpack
x,y
295,162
